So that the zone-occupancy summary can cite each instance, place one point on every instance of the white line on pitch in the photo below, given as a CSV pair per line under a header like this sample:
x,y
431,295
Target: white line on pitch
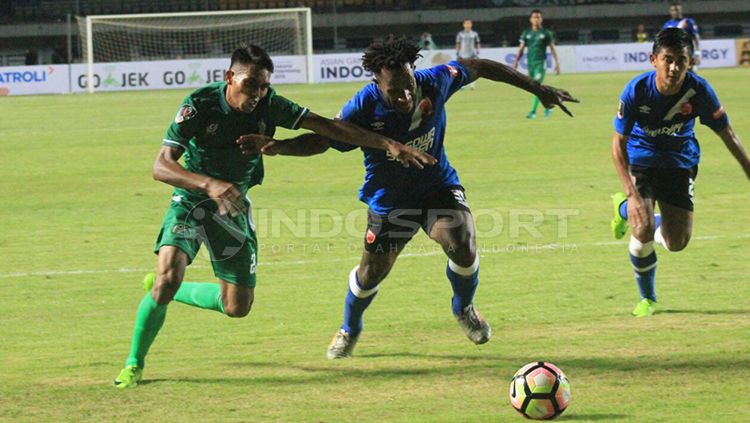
x,y
511,248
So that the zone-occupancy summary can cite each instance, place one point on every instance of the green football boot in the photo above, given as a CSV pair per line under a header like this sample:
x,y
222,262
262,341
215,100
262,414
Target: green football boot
x,y
619,225
644,308
531,115
129,377
148,281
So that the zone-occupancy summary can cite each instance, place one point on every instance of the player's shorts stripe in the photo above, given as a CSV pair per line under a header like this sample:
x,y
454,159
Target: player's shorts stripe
x,y
302,114
172,143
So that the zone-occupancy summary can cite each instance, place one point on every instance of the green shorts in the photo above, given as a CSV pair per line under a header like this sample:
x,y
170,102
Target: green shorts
x,y
537,71
231,242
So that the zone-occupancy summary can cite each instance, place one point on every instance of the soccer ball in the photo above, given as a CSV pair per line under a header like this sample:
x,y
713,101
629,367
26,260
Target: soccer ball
x,y
540,391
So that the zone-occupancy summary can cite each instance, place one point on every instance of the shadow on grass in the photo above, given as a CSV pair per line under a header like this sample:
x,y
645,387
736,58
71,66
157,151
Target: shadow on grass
x,y
593,416
446,366
706,312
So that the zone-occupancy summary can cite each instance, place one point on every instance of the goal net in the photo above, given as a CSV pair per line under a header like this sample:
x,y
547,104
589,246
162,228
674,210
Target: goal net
x,y
194,35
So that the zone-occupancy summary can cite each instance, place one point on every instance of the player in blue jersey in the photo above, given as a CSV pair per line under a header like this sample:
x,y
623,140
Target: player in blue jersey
x,y
409,106
656,155
676,20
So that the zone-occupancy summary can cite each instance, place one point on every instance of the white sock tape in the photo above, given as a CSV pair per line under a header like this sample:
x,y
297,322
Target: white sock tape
x,y
356,290
464,271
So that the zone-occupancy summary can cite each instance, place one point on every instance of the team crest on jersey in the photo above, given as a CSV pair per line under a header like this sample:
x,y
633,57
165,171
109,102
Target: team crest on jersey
x,y
370,237
452,71
186,112
212,128
686,108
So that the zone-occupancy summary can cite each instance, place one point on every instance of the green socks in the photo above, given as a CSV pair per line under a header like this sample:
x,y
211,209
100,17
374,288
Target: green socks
x,y
151,316
148,321
202,295
535,104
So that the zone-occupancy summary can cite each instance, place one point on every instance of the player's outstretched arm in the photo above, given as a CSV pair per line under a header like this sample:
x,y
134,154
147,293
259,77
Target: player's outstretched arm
x,y
494,71
302,146
350,133
553,50
732,141
167,169
620,158
519,55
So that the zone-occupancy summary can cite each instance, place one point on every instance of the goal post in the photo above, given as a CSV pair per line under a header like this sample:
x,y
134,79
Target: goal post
x,y
194,35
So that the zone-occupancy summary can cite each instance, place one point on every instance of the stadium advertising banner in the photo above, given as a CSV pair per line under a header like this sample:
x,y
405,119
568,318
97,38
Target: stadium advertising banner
x,y
19,80
157,75
347,67
635,56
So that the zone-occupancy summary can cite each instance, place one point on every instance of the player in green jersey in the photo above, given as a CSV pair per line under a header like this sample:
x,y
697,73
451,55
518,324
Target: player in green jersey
x,y
209,204
537,39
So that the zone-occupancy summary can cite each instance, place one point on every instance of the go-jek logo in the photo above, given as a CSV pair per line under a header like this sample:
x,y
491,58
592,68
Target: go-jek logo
x,y
26,77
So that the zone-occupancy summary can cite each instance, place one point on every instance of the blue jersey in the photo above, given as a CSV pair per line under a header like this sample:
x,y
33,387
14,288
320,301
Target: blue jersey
x,y
661,127
388,185
686,24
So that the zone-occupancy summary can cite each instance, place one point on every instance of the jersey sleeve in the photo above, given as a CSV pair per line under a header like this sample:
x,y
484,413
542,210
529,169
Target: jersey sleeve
x,y
450,77
712,113
351,112
476,38
522,38
551,36
286,113
184,126
625,118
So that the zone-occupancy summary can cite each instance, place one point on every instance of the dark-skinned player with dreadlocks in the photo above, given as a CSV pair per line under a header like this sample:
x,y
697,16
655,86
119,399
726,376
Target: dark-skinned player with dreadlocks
x,y
409,106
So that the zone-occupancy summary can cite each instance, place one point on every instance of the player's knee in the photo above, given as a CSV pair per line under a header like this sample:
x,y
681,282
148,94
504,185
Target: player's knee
x,y
645,232
678,243
238,310
166,285
464,255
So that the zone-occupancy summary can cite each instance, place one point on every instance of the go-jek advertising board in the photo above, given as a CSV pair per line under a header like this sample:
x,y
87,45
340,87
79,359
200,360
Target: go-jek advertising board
x,y
159,75
635,56
43,79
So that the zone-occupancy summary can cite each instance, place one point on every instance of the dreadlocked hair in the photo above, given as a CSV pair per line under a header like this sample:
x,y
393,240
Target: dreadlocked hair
x,y
391,53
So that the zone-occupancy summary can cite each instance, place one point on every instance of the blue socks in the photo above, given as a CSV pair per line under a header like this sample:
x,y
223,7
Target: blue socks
x,y
357,301
464,281
643,258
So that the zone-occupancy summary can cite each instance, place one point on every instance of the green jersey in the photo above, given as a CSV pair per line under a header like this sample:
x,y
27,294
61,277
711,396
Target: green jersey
x,y
206,129
536,42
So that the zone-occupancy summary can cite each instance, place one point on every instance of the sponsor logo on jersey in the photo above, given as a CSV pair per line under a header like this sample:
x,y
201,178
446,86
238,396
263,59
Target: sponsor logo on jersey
x,y
666,130
452,71
212,128
421,143
186,112
262,127
377,126
645,109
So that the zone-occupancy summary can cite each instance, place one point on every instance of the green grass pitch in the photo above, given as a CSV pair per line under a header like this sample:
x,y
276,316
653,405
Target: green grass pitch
x,y
80,213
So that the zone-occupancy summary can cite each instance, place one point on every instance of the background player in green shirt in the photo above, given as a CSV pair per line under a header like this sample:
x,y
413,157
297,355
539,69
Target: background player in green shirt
x,y
209,204
537,39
